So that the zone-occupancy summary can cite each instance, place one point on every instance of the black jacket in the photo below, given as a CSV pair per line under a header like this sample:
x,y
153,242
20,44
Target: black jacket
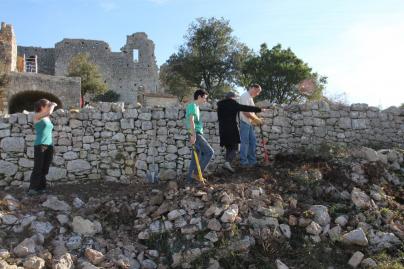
x,y
227,111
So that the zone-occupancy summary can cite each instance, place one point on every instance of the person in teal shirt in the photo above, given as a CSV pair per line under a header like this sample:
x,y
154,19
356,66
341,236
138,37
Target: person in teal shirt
x,y
43,146
194,126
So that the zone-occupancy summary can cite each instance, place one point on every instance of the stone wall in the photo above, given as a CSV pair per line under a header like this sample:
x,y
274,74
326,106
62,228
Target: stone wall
x,y
116,143
63,90
46,58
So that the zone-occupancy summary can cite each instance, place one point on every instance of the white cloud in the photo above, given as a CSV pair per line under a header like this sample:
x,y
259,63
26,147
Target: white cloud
x,y
366,61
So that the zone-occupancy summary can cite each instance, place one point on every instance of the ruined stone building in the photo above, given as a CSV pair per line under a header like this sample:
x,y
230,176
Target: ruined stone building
x,y
126,72
131,72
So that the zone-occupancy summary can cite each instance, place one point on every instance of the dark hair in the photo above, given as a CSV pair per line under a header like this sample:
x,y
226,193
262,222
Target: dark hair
x,y
255,85
198,93
40,104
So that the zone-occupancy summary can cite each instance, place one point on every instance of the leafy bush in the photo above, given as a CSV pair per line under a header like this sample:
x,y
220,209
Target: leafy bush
x,y
108,96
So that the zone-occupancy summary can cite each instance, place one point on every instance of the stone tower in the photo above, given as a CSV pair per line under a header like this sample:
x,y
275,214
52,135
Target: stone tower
x,y
8,47
140,49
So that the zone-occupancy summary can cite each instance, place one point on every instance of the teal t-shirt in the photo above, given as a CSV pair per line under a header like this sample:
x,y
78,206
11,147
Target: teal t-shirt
x,y
43,130
193,110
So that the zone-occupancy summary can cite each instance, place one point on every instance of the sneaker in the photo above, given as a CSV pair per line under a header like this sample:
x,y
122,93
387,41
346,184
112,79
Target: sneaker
x,y
32,192
43,191
228,167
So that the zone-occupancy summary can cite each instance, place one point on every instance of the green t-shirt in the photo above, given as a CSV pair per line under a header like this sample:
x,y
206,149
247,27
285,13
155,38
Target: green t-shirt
x,y
43,130
193,110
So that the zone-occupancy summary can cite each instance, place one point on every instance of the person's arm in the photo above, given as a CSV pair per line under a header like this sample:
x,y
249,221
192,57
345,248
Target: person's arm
x,y
247,109
48,111
192,129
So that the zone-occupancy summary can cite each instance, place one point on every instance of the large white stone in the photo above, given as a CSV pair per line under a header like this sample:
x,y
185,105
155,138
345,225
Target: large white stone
x,y
54,203
56,173
34,262
12,144
78,166
25,248
230,214
85,227
8,168
356,259
355,237
321,215
360,199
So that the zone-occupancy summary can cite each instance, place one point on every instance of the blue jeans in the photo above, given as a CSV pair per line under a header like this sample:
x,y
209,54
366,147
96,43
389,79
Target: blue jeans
x,y
248,144
205,154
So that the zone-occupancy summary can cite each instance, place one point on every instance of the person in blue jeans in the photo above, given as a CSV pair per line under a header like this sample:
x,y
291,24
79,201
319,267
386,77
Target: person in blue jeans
x,y
248,141
195,128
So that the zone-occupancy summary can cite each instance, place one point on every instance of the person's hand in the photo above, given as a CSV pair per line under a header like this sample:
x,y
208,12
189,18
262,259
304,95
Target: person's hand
x,y
193,139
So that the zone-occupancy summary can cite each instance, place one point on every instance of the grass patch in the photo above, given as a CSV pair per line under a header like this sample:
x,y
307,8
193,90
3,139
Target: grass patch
x,y
386,261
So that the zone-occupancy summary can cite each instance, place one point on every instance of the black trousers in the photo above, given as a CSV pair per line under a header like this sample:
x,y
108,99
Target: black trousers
x,y
43,155
231,152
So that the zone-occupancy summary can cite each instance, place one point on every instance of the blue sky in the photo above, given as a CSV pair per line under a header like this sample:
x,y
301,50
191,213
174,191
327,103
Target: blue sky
x,y
358,44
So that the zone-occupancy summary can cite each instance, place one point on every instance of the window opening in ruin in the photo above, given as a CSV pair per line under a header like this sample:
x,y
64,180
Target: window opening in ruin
x,y
136,55
31,64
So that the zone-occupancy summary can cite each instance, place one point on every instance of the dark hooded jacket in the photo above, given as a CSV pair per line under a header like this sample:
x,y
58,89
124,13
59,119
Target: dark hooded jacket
x,y
227,112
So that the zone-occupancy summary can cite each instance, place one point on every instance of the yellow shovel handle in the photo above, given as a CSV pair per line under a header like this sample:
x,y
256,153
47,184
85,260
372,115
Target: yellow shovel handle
x,y
198,166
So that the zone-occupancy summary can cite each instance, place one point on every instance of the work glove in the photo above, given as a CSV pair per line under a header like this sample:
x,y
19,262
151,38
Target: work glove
x,y
257,121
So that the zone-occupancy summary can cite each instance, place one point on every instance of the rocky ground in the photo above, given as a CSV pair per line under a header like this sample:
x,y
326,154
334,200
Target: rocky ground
x,y
330,208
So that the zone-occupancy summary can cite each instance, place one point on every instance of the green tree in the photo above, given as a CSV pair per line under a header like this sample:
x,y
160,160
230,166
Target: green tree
x,y
279,72
91,79
174,83
319,83
402,106
210,57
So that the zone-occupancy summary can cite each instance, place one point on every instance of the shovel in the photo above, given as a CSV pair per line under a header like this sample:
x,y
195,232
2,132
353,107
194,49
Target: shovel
x,y
198,166
266,156
152,174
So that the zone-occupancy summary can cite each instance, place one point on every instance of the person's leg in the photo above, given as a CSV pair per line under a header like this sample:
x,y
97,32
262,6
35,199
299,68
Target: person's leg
x,y
231,152
245,140
228,150
48,156
206,151
252,159
36,175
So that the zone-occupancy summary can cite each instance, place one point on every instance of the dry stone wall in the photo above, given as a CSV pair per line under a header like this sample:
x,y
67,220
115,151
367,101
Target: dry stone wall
x,y
116,143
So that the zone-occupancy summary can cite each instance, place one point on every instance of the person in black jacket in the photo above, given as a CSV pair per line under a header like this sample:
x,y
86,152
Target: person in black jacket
x,y
227,111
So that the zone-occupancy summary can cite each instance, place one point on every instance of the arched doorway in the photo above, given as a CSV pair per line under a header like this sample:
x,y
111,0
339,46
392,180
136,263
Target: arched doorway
x,y
25,101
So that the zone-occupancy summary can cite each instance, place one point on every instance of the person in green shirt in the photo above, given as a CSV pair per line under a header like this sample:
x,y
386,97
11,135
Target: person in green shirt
x,y
194,126
43,146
